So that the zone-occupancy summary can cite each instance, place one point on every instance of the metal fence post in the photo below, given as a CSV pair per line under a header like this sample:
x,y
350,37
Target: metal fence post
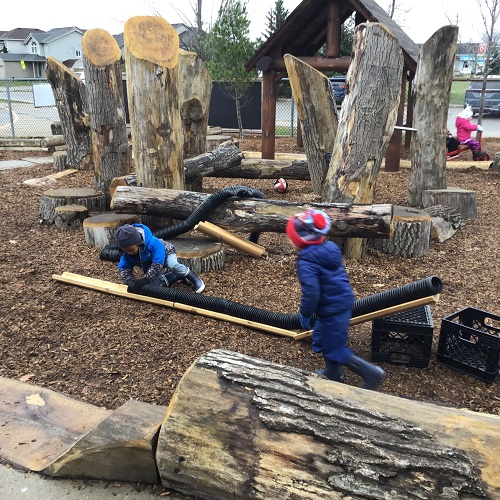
x,y
9,104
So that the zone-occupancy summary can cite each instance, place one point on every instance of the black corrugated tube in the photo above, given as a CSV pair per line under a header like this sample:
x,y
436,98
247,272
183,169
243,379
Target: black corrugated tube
x,y
406,293
112,253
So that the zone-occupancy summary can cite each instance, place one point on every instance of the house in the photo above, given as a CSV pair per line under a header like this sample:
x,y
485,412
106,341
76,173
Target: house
x,y
469,59
28,59
13,41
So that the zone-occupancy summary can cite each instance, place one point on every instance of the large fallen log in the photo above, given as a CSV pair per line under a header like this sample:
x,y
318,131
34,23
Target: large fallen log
x,y
251,214
241,427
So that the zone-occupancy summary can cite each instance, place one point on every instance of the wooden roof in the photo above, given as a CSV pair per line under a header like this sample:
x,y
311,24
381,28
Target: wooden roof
x,y
304,31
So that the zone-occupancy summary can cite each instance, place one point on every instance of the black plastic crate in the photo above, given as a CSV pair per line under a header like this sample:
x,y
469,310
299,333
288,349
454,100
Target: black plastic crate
x,y
470,341
404,338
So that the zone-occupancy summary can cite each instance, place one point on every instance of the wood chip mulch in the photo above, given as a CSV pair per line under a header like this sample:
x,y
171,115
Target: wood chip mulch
x,y
104,350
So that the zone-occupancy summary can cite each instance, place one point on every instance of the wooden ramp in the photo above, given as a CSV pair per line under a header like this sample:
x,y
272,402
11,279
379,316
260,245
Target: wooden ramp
x,y
39,425
47,432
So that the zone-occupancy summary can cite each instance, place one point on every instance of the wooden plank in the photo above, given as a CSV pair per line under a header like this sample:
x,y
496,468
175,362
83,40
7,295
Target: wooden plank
x,y
121,291
252,249
431,299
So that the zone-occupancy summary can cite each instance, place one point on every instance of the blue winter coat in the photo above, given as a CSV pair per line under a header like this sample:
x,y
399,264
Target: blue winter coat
x,y
327,293
152,251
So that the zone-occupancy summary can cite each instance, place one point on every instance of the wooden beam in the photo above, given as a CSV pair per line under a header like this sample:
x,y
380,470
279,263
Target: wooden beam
x,y
121,291
431,299
230,239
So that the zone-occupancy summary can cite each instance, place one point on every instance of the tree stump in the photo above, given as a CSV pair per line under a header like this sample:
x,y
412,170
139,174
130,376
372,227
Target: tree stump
x,y
432,85
71,104
152,58
94,201
214,141
60,160
460,199
411,234
200,254
239,427
56,128
495,166
100,229
110,152
315,103
196,90
70,216
366,121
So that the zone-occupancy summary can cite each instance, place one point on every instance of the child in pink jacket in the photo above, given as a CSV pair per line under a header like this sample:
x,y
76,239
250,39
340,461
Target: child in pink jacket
x,y
464,130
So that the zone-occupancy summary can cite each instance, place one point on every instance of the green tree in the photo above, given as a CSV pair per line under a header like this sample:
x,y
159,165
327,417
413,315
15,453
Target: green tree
x,y
229,47
275,18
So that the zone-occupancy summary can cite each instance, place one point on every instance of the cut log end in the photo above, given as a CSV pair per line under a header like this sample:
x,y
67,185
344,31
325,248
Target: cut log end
x,y
152,38
100,48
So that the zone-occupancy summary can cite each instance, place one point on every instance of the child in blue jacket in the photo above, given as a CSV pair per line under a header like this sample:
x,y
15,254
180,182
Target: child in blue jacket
x,y
154,256
327,294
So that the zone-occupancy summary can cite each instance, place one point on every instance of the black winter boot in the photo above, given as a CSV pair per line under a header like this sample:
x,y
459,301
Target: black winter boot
x,y
371,374
333,371
197,283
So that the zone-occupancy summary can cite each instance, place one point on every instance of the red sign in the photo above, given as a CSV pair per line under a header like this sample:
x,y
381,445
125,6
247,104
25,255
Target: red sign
x,y
481,49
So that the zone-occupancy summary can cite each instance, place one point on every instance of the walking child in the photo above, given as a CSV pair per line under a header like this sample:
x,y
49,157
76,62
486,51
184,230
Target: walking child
x,y
327,294
156,258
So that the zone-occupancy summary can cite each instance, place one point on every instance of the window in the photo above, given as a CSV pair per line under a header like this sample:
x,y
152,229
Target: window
x,y
78,53
33,48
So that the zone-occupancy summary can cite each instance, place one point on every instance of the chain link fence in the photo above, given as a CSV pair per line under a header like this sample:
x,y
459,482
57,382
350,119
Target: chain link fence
x,y
27,108
286,112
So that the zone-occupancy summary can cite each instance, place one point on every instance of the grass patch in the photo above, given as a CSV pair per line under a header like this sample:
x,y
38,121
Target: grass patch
x,y
457,94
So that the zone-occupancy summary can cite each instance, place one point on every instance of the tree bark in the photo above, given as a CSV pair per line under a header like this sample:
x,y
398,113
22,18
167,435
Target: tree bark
x,y
240,427
110,152
151,57
367,120
313,97
432,85
71,103
251,214
196,90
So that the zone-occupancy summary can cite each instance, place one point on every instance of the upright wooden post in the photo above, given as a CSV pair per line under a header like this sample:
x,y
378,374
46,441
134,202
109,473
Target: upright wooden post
x,y
71,103
317,112
110,152
433,80
268,114
195,93
151,58
366,122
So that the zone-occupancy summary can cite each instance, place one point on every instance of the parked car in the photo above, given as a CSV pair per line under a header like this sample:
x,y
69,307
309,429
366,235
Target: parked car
x,y
338,84
491,97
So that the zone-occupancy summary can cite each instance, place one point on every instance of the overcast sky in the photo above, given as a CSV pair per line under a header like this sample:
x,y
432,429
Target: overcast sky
x,y
419,19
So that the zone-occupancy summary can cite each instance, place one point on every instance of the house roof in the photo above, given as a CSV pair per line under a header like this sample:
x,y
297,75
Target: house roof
x,y
119,40
21,57
18,33
304,31
53,34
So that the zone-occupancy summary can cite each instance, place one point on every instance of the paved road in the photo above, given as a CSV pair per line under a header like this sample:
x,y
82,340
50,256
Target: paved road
x,y
17,485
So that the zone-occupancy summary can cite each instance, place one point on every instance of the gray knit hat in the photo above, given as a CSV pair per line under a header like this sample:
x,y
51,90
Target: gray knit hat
x,y
127,235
